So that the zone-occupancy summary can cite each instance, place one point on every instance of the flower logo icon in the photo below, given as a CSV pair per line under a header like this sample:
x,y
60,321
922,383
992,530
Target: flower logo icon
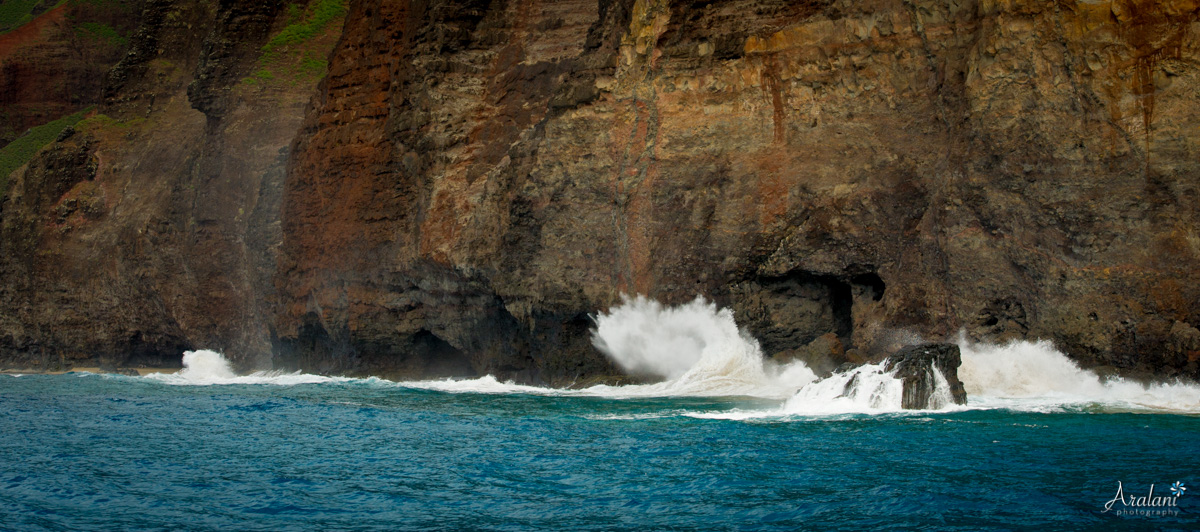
x,y
1177,489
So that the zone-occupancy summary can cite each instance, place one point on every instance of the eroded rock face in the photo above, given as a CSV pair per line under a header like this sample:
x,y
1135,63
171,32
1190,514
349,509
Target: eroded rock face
x,y
153,227
472,179
916,365
856,168
55,64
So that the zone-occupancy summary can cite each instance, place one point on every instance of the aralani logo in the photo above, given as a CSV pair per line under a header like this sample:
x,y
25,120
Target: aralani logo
x,y
1148,504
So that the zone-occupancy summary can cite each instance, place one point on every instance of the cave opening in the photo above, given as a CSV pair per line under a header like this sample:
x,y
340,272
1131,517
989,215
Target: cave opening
x,y
794,311
870,284
438,357
841,303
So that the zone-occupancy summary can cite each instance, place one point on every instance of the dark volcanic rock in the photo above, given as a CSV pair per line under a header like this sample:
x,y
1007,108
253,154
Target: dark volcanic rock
x,y
853,168
914,366
153,228
238,34
473,178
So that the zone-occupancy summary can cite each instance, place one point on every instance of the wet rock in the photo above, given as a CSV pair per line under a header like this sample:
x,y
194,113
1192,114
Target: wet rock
x,y
822,355
915,367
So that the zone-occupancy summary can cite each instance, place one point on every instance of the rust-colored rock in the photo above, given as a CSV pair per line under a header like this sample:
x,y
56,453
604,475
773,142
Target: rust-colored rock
x,y
1000,167
55,64
472,179
153,228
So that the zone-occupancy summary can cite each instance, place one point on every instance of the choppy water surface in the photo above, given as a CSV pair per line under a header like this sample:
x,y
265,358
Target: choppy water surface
x,y
726,441
89,452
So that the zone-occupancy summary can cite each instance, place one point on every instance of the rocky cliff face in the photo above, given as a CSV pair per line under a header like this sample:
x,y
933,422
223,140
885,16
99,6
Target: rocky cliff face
x,y
473,178
55,64
153,227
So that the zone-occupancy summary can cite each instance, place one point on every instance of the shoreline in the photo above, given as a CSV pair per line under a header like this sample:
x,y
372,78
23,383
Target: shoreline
x,y
141,372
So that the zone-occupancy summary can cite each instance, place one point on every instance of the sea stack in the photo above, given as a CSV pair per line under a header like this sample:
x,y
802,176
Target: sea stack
x,y
915,366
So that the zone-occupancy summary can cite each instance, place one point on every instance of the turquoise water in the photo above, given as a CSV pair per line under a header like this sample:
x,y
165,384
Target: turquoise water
x,y
91,452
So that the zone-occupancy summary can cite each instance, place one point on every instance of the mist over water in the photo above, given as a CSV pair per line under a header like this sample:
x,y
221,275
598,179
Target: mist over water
x,y
206,368
697,350
644,337
695,347
699,345
1035,375
726,437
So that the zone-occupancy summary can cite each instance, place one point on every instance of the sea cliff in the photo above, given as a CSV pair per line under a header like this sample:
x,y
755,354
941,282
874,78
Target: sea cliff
x,y
452,188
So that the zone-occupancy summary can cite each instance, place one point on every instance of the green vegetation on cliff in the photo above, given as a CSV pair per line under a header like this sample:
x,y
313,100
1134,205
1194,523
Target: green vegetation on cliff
x,y
285,56
102,32
101,121
21,150
319,15
14,13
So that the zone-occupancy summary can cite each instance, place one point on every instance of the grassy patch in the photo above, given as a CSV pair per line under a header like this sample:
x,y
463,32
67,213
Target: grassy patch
x,y
284,55
294,12
100,123
14,13
261,75
21,150
96,121
313,66
316,17
102,32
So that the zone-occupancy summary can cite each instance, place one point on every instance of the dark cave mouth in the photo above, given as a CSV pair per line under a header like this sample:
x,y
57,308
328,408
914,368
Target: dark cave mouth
x,y
788,312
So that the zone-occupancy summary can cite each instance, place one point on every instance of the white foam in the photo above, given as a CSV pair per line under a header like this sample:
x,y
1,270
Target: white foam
x,y
636,417
941,397
486,385
867,389
646,338
1021,375
696,347
1035,376
206,368
698,350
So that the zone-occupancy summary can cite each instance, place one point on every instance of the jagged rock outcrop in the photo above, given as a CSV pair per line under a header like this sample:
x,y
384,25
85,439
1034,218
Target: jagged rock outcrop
x,y
236,40
472,179
918,368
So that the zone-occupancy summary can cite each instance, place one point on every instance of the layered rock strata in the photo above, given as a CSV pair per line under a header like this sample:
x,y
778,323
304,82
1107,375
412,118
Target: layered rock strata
x,y
472,179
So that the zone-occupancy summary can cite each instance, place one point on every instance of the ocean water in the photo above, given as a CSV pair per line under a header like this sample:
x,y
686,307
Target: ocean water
x,y
726,442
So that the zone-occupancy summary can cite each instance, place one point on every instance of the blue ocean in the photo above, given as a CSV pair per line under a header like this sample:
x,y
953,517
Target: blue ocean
x,y
725,441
